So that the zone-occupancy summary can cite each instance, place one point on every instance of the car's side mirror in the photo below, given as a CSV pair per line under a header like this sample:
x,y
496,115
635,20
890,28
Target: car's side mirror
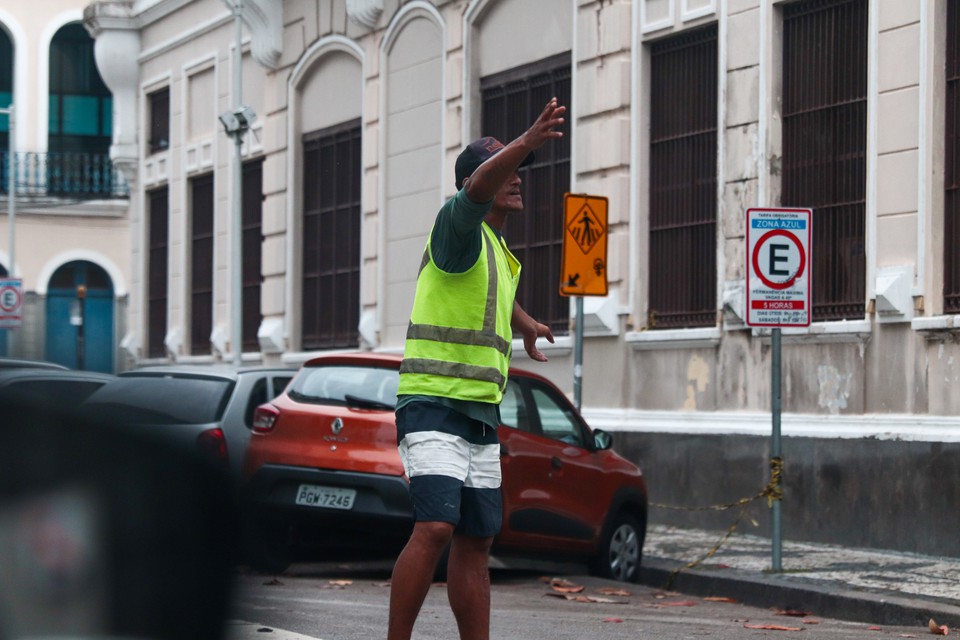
x,y
602,440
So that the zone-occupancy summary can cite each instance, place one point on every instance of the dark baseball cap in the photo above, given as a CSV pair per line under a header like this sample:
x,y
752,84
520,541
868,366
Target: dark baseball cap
x,y
478,152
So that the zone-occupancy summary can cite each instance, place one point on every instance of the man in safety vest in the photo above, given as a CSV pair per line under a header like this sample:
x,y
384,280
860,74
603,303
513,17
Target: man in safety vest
x,y
452,379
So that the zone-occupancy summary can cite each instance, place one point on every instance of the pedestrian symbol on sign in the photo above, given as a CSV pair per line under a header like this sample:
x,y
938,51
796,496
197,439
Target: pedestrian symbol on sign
x,y
585,228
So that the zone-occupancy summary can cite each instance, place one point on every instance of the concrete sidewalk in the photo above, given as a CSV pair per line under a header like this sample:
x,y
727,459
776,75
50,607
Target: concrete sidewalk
x,y
864,585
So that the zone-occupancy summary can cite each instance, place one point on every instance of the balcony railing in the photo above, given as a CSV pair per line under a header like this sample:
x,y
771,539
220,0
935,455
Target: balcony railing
x,y
63,175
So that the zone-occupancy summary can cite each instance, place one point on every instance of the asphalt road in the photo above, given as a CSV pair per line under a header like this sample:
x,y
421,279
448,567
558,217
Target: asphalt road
x,y
332,601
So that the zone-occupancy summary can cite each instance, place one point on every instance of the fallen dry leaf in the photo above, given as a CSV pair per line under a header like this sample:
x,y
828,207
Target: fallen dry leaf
x,y
719,599
381,584
811,621
680,603
795,613
772,627
613,591
565,586
579,597
340,583
874,628
938,630
613,619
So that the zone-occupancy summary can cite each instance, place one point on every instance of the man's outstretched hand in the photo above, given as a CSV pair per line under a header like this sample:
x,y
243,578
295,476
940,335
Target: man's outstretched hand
x,y
544,128
530,341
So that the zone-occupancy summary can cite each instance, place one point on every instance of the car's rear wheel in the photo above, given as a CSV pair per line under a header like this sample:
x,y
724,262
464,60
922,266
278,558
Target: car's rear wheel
x,y
620,550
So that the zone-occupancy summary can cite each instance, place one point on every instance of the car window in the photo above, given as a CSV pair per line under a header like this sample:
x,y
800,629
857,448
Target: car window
x,y
160,400
63,394
513,409
332,384
279,384
258,395
556,417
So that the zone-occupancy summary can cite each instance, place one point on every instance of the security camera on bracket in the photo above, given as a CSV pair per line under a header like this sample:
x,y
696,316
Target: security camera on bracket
x,y
238,121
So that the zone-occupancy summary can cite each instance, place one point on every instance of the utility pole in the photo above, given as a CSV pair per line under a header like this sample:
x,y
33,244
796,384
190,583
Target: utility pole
x,y
236,123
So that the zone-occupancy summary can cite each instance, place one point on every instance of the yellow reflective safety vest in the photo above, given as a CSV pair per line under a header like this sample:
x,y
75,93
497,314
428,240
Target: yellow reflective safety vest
x,y
459,339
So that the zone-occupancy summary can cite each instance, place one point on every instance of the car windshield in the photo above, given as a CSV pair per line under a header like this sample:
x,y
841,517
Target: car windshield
x,y
160,400
349,385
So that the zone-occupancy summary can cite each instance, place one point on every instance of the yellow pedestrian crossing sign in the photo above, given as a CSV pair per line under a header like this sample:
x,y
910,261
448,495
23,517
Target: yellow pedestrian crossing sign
x,y
584,264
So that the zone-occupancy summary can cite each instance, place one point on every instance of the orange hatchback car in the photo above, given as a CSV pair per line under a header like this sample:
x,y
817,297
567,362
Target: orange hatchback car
x,y
322,470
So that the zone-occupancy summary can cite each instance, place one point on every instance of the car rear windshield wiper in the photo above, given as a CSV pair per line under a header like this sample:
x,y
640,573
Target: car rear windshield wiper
x,y
367,403
303,397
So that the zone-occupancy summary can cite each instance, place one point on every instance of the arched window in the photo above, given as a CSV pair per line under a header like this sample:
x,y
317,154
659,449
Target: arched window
x,y
80,103
6,88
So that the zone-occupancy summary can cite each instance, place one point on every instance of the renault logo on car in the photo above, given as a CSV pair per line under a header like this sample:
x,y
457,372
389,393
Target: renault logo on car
x,y
336,426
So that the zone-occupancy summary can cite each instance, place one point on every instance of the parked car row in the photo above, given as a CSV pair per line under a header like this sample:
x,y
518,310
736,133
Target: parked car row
x,y
322,467
314,454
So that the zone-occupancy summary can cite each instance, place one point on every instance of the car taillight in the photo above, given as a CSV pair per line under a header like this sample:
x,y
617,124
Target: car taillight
x,y
265,418
212,443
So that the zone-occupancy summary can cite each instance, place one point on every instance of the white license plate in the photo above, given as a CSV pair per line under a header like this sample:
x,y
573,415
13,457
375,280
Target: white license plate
x,y
311,495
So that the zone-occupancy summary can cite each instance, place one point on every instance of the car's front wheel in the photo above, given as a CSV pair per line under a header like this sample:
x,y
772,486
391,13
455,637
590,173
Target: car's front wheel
x,y
620,550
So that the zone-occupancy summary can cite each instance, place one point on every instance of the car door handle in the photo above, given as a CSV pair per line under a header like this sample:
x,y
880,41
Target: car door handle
x,y
556,462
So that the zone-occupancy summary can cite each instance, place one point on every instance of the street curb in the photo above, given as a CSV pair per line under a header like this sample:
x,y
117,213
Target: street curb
x,y
791,592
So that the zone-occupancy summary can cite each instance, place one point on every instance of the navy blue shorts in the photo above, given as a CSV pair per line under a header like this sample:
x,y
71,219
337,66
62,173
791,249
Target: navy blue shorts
x,y
453,463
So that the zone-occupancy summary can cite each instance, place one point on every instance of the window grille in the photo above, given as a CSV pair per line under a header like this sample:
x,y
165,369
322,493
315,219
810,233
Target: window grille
x,y
159,125
951,242
331,238
511,102
157,245
252,251
824,144
201,263
683,181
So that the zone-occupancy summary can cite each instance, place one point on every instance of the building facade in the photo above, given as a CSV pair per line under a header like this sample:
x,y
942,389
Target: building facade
x,y
69,234
683,113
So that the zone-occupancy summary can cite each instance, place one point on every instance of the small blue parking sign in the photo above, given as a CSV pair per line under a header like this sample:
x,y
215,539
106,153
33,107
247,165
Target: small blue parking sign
x,y
11,303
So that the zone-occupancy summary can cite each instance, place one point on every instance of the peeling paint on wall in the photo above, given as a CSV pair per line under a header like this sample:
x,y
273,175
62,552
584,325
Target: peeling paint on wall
x,y
834,388
698,375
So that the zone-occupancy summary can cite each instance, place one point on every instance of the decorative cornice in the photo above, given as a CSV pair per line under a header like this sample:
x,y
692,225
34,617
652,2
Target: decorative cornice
x,y
365,12
265,20
109,14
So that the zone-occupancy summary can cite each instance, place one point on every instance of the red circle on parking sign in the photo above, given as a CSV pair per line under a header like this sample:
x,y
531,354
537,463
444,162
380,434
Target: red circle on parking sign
x,y
756,259
9,299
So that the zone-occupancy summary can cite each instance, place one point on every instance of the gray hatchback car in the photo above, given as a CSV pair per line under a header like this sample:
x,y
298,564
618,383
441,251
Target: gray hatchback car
x,y
210,408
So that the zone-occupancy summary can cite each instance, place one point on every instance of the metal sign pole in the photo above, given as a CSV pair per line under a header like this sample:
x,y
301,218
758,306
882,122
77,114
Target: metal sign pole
x,y
578,356
779,263
776,532
11,191
11,204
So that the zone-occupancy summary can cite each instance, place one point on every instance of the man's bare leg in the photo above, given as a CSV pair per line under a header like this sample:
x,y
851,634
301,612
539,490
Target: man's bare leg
x,y
412,575
468,586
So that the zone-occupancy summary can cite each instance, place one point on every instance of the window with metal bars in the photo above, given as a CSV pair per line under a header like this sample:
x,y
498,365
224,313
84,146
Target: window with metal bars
x,y
331,237
159,125
824,144
201,263
157,246
683,181
512,100
951,236
252,251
